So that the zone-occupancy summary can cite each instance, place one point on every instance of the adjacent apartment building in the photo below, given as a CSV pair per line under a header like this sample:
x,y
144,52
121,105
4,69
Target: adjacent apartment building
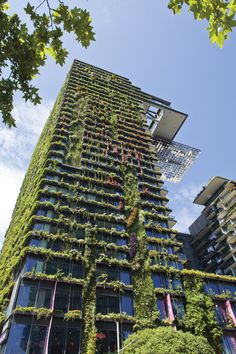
x,y
91,254
214,231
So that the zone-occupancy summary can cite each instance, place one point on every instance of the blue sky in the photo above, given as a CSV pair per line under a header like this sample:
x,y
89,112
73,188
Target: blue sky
x,y
168,56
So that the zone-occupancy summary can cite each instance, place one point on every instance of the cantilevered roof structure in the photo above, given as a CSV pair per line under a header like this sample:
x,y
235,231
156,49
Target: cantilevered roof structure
x,y
208,191
173,158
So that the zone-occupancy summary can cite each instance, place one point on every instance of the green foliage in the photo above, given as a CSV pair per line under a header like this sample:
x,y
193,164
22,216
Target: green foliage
x,y
143,289
220,15
88,343
165,341
200,313
76,139
41,312
72,315
26,43
144,293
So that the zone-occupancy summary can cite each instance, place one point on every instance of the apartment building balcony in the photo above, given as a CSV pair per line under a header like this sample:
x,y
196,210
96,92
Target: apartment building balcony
x,y
229,197
232,214
228,266
210,266
210,212
232,238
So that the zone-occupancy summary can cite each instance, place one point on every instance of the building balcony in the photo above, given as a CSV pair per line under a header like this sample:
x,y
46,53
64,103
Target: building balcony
x,y
228,198
171,221
232,238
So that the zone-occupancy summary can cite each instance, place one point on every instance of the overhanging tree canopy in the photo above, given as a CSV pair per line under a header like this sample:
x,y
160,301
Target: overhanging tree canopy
x,y
165,340
24,51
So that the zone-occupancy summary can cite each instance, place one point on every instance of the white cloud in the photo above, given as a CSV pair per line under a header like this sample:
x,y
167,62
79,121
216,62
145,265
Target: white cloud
x,y
16,147
183,209
16,144
10,183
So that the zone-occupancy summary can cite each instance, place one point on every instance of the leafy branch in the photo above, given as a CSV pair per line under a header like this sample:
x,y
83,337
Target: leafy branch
x,y
220,15
24,51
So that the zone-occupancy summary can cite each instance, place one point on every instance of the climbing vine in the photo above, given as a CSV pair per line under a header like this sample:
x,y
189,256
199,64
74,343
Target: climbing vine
x,y
146,314
200,313
88,342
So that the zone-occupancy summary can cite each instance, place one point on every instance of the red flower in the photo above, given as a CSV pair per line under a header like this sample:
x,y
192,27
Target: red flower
x,y
101,336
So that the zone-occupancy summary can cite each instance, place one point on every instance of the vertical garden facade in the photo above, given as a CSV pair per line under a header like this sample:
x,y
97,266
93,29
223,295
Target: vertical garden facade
x,y
90,254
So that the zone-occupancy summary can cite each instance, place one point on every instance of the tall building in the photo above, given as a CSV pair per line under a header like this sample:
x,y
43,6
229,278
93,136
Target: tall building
x,y
90,254
214,231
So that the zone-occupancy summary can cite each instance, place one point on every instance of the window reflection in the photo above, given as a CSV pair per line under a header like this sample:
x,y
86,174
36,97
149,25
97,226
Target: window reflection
x,y
26,337
34,294
113,274
41,265
64,338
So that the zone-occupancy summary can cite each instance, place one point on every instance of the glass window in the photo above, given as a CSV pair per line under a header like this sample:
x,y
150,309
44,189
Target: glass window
x,y
178,307
18,338
125,334
35,242
160,280
77,270
229,343
57,340
233,305
91,196
127,305
227,287
161,306
113,304
32,263
72,340
37,339
120,227
120,255
38,227
27,294
106,342
177,284
42,227
64,267
45,199
107,303
62,297
162,223
212,287
56,246
75,300
44,294
121,242
101,304
220,312
34,293
112,274
25,337
41,212
125,277
51,267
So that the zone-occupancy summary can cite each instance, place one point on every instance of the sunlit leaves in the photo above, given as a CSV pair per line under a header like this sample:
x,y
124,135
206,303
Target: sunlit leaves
x,y
23,52
220,15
